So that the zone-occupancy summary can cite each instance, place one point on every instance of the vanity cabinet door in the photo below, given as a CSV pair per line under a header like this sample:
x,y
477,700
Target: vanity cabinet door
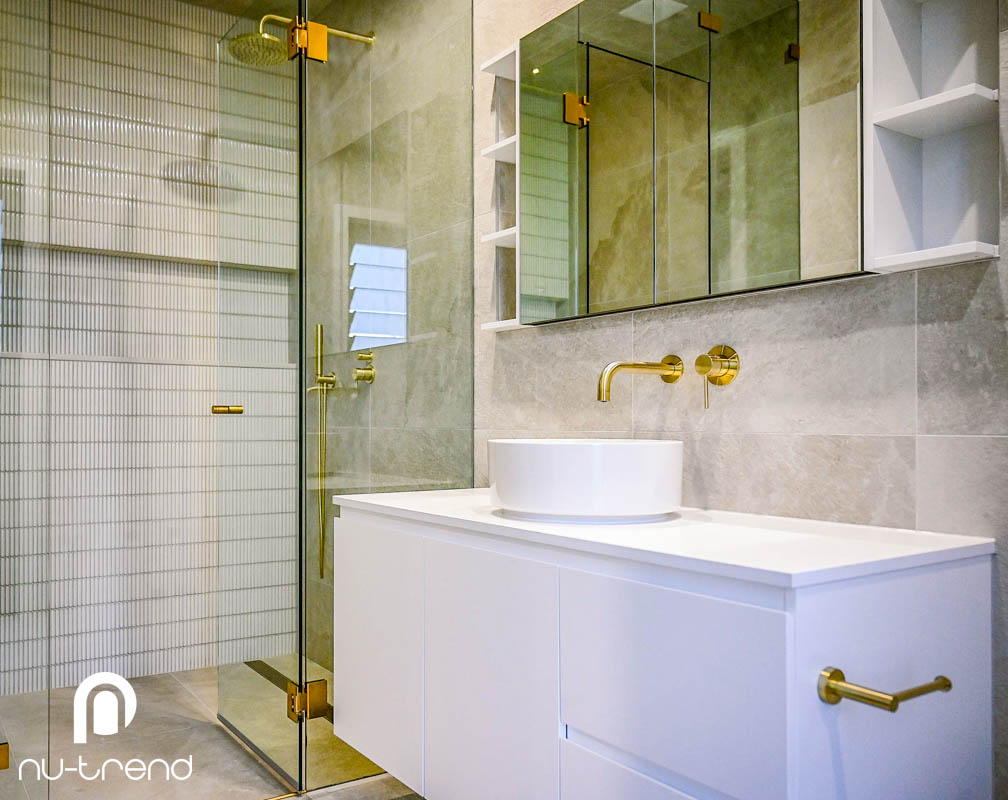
x,y
693,684
890,633
492,706
378,643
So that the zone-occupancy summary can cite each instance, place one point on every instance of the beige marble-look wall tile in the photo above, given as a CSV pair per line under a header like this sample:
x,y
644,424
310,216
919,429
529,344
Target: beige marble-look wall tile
x,y
338,195
546,377
1003,124
829,180
512,20
860,479
682,183
440,188
426,382
962,483
405,27
485,176
409,458
831,54
485,287
814,359
620,175
347,73
389,179
423,384
430,88
962,349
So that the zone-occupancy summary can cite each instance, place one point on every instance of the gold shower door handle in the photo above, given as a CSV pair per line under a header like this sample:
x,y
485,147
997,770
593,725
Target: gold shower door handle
x,y
833,687
227,409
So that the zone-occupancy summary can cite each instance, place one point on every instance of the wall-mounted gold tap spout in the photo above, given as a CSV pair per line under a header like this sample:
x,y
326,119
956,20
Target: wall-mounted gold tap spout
x,y
669,369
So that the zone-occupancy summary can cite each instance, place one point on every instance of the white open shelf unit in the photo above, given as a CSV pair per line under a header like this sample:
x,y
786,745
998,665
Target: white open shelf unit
x,y
931,133
504,238
505,150
504,67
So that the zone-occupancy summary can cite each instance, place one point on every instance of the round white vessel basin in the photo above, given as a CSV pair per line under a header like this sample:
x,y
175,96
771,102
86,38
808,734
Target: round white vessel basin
x,y
600,479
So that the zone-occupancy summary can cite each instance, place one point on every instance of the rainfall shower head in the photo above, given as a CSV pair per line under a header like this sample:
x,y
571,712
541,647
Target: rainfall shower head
x,y
258,49
261,49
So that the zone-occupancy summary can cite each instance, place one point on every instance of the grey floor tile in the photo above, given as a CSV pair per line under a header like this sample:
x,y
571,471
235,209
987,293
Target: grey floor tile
x,y
202,684
381,787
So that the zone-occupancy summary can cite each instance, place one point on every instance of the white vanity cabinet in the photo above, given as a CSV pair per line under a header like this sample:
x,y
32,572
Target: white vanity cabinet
x,y
482,657
378,629
491,660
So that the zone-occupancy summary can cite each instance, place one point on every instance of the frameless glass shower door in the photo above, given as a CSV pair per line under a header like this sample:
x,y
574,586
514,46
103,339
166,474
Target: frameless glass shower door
x,y
256,410
344,334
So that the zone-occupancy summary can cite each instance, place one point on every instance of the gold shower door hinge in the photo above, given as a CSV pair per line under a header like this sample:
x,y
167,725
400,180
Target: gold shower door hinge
x,y
575,109
310,38
312,702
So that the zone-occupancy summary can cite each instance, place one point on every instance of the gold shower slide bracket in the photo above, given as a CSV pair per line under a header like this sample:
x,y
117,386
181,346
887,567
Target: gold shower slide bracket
x,y
833,687
4,755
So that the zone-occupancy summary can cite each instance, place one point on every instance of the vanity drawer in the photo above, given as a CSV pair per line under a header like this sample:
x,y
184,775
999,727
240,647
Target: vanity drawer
x,y
693,684
892,633
585,775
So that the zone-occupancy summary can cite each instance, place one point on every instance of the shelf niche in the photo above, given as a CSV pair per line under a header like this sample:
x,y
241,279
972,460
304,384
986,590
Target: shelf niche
x,y
504,68
931,163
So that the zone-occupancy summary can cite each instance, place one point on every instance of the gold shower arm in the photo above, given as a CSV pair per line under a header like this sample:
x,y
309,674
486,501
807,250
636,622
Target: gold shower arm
x,y
354,37
272,18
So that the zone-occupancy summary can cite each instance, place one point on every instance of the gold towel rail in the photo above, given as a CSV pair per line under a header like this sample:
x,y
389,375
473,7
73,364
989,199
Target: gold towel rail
x,y
833,687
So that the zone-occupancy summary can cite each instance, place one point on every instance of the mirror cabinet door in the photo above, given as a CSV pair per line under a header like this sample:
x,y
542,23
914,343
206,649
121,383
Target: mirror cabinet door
x,y
661,145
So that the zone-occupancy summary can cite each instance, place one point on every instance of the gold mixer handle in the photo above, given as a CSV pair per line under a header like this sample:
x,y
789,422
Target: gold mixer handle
x,y
718,366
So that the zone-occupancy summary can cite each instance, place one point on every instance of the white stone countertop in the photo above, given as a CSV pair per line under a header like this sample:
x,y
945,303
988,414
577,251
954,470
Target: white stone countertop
x,y
779,551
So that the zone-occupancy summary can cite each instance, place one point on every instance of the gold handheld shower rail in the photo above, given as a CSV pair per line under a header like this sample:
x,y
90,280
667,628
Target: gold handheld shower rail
x,y
323,383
